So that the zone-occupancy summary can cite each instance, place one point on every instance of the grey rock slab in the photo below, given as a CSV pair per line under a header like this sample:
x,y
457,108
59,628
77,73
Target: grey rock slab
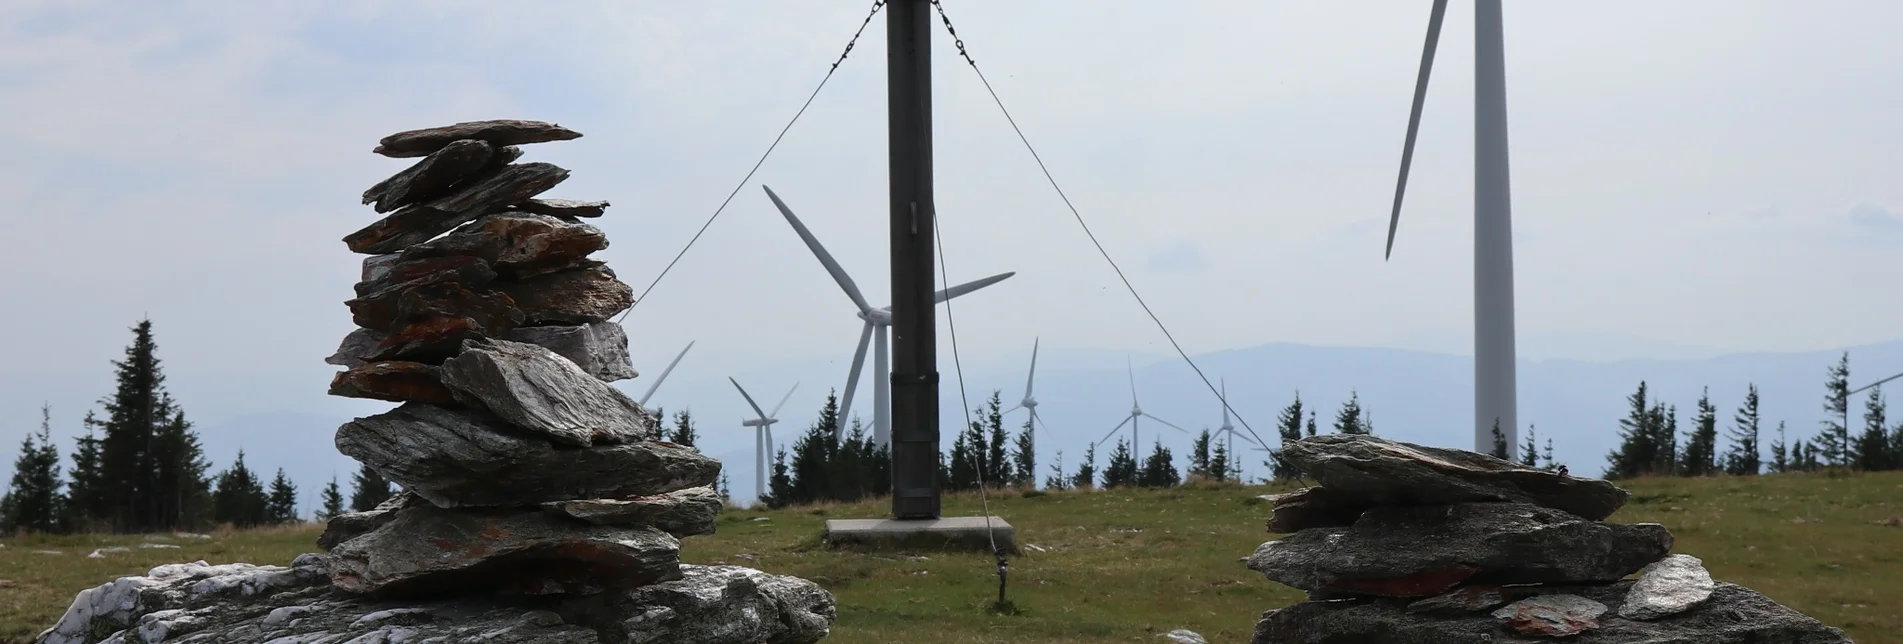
x,y
468,457
1668,587
599,348
498,132
424,550
357,348
195,603
1551,615
1421,551
418,223
432,176
682,513
1314,507
1384,472
539,391
518,244
351,525
377,267
563,207
1733,615
1184,636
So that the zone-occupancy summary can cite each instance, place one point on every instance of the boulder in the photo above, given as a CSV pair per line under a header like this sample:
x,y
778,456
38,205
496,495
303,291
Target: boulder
x,y
563,207
351,525
422,222
1733,615
1314,507
599,348
468,457
1668,587
394,381
539,392
424,550
357,346
501,132
435,320
431,177
518,244
247,604
581,295
1385,472
682,513
1422,551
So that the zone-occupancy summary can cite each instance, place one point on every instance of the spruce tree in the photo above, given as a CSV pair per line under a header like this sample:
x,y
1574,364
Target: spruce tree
x,y
779,489
1348,420
997,461
1086,476
1743,458
876,463
684,432
1530,452
184,489
1780,452
1199,457
282,505
1833,440
1311,423
1289,425
1548,457
1159,470
1121,471
1666,438
1499,441
239,499
368,489
962,473
87,493
1701,445
1219,462
1059,479
811,468
1638,446
846,479
32,501
1024,456
723,491
1872,447
332,500
149,459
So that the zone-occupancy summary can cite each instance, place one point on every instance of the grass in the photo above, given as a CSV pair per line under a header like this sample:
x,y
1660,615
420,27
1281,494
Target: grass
x,y
1127,565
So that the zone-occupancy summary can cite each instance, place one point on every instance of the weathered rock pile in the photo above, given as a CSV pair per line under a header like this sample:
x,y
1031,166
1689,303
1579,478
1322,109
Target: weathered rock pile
x,y
537,502
1405,544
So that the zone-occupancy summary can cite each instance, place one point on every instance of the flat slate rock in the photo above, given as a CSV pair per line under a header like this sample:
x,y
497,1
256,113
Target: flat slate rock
x,y
1314,507
418,223
563,207
468,457
394,381
590,293
500,132
682,513
1668,587
356,348
424,550
518,244
240,603
599,348
1421,551
431,177
1551,615
1378,471
351,525
1733,615
434,320
540,392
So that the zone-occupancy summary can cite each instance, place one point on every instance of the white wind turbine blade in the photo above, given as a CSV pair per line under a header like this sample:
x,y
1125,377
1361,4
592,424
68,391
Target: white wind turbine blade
x,y
1033,377
967,287
1879,382
657,381
1012,409
1414,116
852,377
789,394
743,394
1133,379
1172,425
825,258
1113,431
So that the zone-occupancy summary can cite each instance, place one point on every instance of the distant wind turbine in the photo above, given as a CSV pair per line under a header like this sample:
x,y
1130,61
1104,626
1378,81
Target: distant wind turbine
x,y
663,376
1494,378
1228,430
762,435
1029,404
1136,411
879,320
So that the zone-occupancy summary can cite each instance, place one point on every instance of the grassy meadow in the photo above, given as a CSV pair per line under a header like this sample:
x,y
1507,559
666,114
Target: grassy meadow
x,y
1127,565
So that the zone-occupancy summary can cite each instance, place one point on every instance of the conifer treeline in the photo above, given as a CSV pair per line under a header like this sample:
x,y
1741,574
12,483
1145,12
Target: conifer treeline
x,y
1651,444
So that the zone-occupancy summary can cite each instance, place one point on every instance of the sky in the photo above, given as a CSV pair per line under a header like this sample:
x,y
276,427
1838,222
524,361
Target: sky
x,y
1692,177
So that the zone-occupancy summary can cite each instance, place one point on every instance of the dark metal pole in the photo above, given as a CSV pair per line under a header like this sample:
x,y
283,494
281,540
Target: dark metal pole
x,y
915,493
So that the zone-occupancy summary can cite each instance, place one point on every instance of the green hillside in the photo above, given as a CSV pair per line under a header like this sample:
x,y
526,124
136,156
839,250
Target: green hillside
x,y
1123,566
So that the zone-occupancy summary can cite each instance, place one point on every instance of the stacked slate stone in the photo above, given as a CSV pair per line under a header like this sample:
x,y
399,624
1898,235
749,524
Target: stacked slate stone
x,y
1405,544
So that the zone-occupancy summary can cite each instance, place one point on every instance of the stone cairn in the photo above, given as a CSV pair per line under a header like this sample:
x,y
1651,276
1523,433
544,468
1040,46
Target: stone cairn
x,y
538,503
1405,544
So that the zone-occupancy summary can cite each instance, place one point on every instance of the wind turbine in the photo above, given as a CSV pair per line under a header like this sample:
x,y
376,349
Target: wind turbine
x,y
1136,411
762,436
1494,378
879,320
1029,404
1228,430
657,381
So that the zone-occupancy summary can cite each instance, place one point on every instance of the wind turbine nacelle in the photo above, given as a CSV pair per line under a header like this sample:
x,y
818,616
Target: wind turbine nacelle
x,y
881,316
1029,403
756,422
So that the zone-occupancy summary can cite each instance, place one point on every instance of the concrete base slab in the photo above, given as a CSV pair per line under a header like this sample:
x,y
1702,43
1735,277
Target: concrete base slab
x,y
947,533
